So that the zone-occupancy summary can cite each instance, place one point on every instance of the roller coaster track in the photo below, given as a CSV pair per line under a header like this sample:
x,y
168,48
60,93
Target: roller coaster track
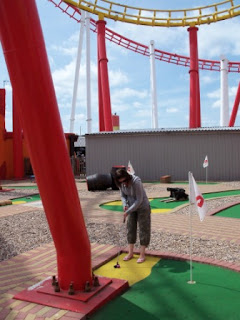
x,y
165,18
212,65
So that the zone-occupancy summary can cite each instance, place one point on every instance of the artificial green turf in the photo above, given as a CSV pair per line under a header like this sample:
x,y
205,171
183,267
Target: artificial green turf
x,y
22,187
155,204
180,182
199,182
112,208
232,212
30,198
158,204
221,194
166,295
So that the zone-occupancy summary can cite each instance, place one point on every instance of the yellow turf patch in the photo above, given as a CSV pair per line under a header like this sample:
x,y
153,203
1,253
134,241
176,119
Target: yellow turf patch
x,y
113,203
129,270
160,210
119,203
18,202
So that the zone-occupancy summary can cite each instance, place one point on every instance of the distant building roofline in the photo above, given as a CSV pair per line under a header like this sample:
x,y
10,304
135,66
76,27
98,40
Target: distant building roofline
x,y
166,130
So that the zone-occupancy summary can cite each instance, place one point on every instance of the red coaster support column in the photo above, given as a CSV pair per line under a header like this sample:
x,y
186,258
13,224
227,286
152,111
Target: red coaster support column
x,y
28,67
235,108
102,56
17,144
100,101
198,112
2,113
195,111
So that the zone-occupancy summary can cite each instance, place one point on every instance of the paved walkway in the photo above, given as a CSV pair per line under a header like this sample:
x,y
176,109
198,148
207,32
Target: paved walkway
x,y
31,267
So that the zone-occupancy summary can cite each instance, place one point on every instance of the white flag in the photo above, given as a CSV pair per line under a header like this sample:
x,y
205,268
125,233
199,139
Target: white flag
x,y
205,162
130,169
196,197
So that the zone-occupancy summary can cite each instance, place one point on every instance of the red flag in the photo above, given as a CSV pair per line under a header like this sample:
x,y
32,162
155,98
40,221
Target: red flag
x,y
130,169
205,162
196,197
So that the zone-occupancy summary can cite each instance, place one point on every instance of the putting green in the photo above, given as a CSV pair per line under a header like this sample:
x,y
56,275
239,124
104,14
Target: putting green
x,y
129,270
158,206
165,294
180,182
199,182
30,198
231,212
23,187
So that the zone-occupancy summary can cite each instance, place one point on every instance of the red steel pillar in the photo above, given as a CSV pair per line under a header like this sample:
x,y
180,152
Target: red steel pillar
x,y
17,144
102,56
2,112
195,111
29,71
198,112
235,108
100,101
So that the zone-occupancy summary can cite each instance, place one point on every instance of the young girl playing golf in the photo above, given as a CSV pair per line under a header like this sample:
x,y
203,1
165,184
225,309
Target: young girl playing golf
x,y
136,210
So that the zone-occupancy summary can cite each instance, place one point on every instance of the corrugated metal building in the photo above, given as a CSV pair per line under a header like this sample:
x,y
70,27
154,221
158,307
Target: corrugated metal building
x,y
154,153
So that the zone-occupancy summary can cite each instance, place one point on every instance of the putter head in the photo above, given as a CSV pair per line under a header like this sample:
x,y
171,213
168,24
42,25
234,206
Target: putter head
x,y
117,265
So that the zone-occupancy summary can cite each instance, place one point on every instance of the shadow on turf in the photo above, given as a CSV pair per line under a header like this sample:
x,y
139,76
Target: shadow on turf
x,y
184,266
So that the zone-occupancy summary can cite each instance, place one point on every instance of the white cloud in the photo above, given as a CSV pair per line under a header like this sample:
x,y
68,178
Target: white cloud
x,y
207,79
178,103
132,106
214,94
119,107
219,38
68,47
213,40
68,51
137,104
127,71
119,95
139,124
232,91
208,122
117,78
63,78
163,37
216,104
171,110
144,113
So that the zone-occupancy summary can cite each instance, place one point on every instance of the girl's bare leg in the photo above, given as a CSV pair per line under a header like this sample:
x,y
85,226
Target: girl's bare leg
x,y
130,252
142,252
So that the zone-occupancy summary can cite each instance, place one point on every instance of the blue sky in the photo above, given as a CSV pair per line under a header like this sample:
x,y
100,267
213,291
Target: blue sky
x,y
129,72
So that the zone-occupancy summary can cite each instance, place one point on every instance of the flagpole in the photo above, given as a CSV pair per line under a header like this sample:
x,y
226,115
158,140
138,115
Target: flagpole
x,y
191,240
205,166
195,197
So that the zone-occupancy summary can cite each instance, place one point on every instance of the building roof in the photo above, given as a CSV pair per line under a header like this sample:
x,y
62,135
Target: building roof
x,y
167,130
80,142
